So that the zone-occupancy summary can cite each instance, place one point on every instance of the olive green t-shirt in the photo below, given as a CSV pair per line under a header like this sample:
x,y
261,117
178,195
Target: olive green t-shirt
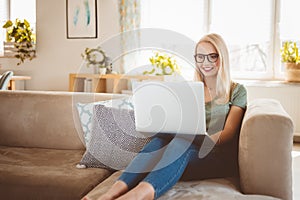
x,y
216,114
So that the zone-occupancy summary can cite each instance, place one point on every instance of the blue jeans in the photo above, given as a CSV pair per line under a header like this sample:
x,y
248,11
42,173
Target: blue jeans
x,y
164,161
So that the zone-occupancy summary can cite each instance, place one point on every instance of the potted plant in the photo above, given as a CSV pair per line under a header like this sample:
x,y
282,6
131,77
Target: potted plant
x,y
20,36
291,59
163,64
96,58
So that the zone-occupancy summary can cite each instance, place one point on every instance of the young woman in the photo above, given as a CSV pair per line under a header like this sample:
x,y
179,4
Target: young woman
x,y
225,104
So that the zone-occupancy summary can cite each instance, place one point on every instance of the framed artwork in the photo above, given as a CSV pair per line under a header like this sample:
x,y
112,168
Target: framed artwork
x,y
81,19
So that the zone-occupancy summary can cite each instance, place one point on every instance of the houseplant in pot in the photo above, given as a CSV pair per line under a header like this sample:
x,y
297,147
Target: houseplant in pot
x,y
291,59
20,37
163,65
96,58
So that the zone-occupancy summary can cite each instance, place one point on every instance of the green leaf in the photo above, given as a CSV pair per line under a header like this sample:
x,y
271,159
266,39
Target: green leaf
x,y
7,24
26,23
149,72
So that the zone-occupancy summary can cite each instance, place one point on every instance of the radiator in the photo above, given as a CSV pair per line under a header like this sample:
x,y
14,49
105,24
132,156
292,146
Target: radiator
x,y
287,93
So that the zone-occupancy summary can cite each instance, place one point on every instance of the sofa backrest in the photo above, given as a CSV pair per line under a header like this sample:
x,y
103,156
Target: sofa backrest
x,y
44,119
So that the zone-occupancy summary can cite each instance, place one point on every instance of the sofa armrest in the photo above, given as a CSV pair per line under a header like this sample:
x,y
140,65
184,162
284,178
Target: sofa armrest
x,y
265,146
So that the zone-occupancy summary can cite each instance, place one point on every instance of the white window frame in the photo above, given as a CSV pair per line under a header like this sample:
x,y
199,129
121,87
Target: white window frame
x,y
277,73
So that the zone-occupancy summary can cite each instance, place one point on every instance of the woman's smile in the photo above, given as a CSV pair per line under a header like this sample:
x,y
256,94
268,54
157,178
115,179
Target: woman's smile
x,y
208,68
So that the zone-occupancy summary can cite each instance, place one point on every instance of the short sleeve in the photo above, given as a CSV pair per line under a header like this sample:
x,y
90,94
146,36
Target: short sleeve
x,y
239,96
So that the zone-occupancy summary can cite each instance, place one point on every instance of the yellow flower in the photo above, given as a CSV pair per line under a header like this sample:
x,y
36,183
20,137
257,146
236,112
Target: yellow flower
x,y
163,64
290,53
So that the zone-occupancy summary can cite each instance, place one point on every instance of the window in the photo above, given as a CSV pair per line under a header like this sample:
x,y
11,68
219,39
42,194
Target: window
x,y
13,9
185,17
246,30
253,29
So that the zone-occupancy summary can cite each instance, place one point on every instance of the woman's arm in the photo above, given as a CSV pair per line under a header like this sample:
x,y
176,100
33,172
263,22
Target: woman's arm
x,y
232,126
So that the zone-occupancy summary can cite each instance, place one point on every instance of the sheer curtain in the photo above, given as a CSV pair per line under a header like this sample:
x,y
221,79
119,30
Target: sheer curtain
x,y
130,18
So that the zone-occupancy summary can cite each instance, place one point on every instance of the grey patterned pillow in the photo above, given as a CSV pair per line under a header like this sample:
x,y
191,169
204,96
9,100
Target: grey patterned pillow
x,y
85,112
114,140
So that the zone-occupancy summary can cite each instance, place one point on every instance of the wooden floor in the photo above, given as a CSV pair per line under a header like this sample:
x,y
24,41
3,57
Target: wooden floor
x,y
296,171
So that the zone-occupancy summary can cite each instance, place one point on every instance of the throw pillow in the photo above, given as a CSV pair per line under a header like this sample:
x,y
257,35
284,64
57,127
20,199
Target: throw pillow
x,y
114,139
85,112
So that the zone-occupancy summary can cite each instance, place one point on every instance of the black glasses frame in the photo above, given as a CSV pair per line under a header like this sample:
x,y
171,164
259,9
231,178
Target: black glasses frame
x,y
212,57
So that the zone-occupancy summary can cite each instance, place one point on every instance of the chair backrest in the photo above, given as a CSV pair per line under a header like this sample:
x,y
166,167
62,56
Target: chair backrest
x,y
4,80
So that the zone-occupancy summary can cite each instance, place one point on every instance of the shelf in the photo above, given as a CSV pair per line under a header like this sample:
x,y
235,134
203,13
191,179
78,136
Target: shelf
x,y
99,82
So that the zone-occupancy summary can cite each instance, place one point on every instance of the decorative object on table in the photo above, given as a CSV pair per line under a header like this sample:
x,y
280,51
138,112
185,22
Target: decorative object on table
x,y
108,64
81,19
88,85
163,64
97,58
291,59
20,40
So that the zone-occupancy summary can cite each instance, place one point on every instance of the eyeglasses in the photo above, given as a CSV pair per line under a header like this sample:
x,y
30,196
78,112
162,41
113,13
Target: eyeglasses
x,y
212,57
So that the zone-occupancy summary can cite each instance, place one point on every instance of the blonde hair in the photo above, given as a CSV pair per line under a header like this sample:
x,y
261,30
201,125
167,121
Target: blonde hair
x,y
223,77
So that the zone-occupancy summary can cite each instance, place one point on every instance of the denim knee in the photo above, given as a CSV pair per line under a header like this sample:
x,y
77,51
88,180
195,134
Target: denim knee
x,y
144,162
155,144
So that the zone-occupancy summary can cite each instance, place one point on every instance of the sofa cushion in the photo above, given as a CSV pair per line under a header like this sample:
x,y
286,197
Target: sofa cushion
x,y
44,119
114,139
34,173
209,189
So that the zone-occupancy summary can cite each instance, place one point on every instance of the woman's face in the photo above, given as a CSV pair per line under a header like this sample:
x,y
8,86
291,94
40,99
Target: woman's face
x,y
210,65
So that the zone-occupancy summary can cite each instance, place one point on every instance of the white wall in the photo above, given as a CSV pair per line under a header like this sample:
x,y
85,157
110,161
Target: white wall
x,y
58,56
287,94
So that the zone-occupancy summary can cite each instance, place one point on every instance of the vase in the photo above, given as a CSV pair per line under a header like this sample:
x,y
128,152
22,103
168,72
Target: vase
x,y
102,71
9,49
292,72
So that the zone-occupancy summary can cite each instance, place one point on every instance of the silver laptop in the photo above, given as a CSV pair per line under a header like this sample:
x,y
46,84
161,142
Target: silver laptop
x,y
169,107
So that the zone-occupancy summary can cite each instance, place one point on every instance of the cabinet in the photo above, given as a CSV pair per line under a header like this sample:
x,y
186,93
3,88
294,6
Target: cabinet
x,y
99,83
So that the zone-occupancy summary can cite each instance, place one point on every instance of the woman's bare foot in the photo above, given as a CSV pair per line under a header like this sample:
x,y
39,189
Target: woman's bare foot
x,y
117,189
143,191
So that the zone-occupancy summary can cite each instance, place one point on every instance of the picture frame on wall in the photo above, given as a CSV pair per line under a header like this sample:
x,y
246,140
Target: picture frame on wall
x,y
81,19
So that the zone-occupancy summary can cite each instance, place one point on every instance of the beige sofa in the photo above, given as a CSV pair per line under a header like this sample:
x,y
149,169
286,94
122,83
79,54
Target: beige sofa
x,y
41,143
